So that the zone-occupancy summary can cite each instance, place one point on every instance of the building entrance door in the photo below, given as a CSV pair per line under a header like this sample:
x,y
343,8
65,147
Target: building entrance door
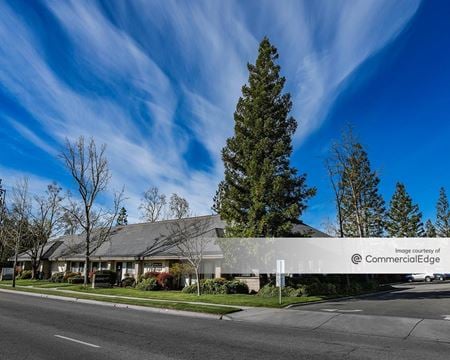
x,y
118,272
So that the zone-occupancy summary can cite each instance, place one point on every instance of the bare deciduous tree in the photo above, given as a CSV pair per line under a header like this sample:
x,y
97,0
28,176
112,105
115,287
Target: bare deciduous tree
x,y
152,205
335,168
68,224
19,218
89,169
192,238
45,218
179,207
360,207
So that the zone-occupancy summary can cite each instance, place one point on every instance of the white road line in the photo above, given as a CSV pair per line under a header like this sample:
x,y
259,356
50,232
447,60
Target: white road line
x,y
342,310
77,341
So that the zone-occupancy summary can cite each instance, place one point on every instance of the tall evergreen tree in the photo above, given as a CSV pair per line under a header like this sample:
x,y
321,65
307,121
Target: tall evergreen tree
x,y
430,230
261,194
122,217
443,215
361,211
403,218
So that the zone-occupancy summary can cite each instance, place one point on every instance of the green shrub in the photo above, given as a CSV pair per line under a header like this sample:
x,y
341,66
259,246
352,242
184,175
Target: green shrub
x,y
355,288
319,288
218,286
77,279
57,277
165,280
371,285
332,285
150,284
128,282
273,291
213,286
148,275
237,287
190,289
70,274
289,291
25,274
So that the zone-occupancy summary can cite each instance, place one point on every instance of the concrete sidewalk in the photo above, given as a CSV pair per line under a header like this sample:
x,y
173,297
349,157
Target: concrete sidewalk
x,y
387,326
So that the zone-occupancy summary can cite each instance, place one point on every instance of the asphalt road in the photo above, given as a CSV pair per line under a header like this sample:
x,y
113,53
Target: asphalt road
x,y
416,300
36,328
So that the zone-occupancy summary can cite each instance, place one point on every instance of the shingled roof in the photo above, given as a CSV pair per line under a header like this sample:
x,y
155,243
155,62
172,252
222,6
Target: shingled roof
x,y
134,240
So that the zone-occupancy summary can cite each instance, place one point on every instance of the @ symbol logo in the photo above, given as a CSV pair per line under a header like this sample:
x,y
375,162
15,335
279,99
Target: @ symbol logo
x,y
356,259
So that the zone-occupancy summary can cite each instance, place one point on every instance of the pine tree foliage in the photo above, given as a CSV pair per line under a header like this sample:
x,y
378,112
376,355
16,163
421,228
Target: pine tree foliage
x,y
261,194
443,215
430,230
362,208
403,218
122,217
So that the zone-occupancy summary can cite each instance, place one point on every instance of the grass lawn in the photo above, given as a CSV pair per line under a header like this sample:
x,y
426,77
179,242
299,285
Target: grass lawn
x,y
177,296
229,299
36,283
217,310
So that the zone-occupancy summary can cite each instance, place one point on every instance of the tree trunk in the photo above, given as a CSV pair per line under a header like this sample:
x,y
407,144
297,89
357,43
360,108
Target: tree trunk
x,y
86,270
86,259
16,255
33,270
341,222
198,282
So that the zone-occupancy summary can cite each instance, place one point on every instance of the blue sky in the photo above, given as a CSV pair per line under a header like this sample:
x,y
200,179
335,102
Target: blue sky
x,y
158,82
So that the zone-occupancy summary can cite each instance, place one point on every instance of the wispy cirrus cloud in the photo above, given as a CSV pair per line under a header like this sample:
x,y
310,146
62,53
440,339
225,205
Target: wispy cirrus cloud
x,y
152,78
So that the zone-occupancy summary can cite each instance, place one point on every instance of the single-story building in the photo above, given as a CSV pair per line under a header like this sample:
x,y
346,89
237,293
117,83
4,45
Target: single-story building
x,y
130,250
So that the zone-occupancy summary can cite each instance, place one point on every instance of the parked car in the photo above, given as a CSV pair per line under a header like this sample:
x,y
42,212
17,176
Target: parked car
x,y
441,277
427,277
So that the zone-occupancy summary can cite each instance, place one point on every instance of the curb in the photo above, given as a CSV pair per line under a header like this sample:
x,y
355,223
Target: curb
x,y
148,299
118,305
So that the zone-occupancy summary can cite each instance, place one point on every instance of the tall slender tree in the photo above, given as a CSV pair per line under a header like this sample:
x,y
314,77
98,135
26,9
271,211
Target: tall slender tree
x,y
430,230
361,211
46,217
442,215
19,220
89,168
122,217
261,194
403,218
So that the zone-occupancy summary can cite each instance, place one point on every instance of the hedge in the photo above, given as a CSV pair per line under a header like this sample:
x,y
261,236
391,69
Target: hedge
x,y
25,274
149,284
128,282
218,286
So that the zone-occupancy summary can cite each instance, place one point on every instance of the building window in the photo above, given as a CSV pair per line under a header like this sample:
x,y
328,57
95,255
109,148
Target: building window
x,y
153,267
129,268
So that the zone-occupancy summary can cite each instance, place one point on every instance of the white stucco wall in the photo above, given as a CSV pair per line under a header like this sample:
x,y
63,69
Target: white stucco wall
x,y
58,266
